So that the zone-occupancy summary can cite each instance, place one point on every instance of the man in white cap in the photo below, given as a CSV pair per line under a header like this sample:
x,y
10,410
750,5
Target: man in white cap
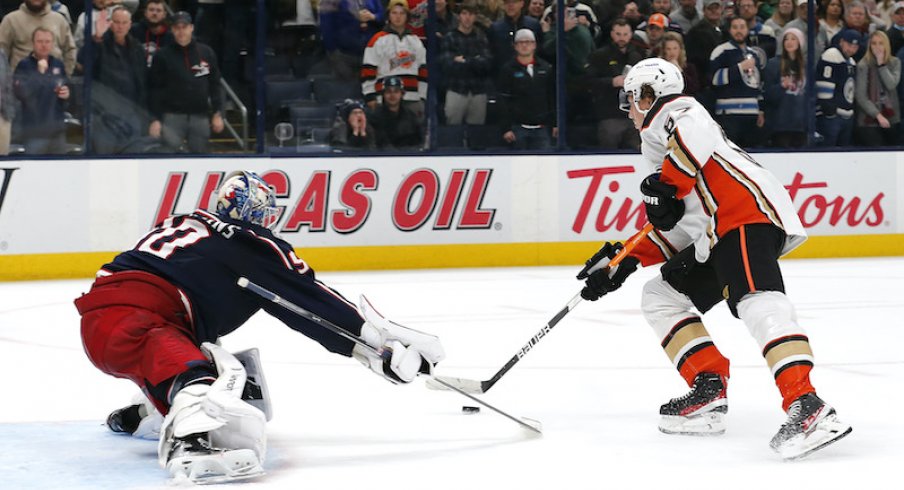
x,y
527,96
896,30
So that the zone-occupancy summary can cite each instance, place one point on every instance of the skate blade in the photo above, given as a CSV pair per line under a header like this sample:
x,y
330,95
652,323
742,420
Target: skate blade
x,y
826,432
706,424
223,467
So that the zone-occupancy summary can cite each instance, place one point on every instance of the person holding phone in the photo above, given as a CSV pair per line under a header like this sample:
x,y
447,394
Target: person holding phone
x,y
41,85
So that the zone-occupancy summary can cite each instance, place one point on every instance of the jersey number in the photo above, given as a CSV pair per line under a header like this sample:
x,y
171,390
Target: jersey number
x,y
171,236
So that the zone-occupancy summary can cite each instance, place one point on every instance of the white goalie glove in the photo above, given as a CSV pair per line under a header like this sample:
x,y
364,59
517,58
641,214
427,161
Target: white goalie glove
x,y
406,352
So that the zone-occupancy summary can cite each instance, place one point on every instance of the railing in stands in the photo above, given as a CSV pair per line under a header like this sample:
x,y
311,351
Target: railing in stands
x,y
243,110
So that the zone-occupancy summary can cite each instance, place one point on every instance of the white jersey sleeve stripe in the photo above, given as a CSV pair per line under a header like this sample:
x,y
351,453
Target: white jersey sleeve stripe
x,y
710,204
680,157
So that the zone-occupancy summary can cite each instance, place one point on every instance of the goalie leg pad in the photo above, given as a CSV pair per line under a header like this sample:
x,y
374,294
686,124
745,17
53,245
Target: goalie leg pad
x,y
212,427
256,392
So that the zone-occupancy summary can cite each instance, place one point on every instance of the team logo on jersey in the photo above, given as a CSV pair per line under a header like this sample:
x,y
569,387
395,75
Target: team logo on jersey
x,y
202,69
403,60
849,90
751,77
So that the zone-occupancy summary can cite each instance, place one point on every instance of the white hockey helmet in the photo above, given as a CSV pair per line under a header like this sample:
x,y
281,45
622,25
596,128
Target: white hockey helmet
x,y
660,75
246,196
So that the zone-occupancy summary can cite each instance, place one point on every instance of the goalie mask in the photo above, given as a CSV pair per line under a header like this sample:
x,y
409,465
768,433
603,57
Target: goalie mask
x,y
661,76
246,196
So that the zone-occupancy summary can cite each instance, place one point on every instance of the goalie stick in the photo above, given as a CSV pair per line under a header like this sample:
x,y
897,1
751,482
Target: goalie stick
x,y
475,386
265,293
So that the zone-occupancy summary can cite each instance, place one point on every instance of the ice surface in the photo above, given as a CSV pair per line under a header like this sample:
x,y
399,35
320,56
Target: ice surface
x,y
596,383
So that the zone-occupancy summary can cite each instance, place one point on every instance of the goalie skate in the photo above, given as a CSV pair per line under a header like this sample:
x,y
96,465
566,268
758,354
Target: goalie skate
x,y
192,457
701,412
812,425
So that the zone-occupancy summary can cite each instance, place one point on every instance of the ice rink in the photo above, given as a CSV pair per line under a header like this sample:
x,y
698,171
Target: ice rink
x,y
595,382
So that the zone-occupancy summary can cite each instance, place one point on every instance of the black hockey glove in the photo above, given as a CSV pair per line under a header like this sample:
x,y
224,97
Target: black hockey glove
x,y
663,209
600,259
599,283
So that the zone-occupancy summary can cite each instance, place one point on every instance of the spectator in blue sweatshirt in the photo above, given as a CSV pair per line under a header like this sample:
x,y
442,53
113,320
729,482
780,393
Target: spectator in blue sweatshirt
x,y
345,28
784,88
40,83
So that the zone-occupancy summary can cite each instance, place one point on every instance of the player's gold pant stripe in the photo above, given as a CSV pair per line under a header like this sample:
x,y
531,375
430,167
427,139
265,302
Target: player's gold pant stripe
x,y
785,350
686,335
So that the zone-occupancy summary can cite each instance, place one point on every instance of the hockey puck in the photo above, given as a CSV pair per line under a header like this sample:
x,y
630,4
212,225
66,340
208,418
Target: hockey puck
x,y
469,410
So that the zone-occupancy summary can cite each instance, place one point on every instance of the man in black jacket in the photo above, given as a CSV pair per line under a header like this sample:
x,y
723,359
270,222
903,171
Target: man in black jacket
x,y
185,94
606,70
397,126
119,92
152,31
527,95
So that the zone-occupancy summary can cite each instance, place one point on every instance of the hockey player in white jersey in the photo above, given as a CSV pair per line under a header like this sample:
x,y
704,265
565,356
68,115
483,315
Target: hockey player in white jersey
x,y
721,223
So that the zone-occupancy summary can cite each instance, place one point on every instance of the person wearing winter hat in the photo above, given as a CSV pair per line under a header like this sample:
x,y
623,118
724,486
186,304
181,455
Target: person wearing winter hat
x,y
784,91
352,131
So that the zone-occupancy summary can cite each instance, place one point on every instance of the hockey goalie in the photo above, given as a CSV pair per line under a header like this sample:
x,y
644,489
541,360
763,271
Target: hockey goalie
x,y
154,315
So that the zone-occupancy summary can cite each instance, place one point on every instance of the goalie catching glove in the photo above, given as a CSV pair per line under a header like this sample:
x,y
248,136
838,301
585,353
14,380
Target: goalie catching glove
x,y
664,210
600,278
401,353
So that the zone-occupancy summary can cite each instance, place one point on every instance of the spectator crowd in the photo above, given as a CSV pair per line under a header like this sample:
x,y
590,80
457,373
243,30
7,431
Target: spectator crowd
x,y
156,66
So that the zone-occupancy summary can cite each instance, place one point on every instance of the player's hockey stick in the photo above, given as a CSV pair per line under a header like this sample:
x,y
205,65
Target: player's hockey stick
x,y
474,386
265,293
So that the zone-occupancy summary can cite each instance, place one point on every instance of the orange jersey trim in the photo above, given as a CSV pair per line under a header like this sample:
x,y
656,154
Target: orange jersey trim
x,y
373,40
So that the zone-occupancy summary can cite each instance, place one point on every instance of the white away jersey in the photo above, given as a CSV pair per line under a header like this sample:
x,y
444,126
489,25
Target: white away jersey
x,y
721,185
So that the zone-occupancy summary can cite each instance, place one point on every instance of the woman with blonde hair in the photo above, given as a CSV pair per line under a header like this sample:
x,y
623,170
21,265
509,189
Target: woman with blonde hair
x,y
671,49
784,91
876,94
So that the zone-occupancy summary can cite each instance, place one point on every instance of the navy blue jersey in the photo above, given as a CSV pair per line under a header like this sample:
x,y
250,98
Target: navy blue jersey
x,y
835,75
204,255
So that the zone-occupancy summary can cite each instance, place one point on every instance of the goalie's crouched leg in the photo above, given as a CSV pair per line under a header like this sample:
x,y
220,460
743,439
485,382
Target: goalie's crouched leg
x,y
210,434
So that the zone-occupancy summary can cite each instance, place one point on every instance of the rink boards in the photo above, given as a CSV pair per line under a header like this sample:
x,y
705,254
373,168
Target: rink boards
x,y
62,219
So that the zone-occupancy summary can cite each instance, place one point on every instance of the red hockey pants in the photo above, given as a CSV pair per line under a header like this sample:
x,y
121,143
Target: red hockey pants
x,y
135,326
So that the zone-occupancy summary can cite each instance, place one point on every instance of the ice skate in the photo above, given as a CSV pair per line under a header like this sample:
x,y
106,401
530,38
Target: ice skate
x,y
193,457
701,412
126,419
139,419
812,425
